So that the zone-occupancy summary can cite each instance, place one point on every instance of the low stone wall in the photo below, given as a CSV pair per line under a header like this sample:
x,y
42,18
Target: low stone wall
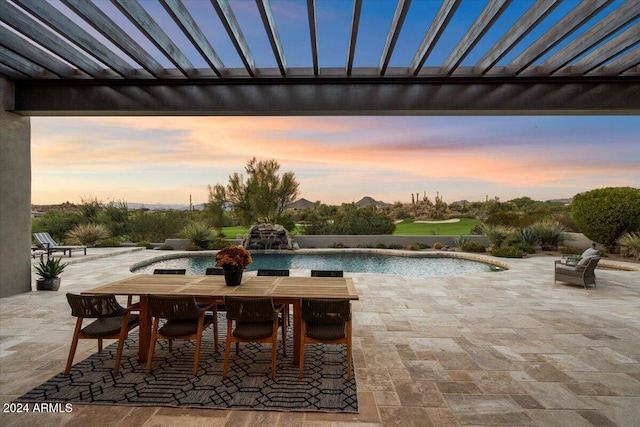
x,y
373,240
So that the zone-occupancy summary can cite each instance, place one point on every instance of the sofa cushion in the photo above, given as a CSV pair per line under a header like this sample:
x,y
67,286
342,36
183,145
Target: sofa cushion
x,y
590,252
585,260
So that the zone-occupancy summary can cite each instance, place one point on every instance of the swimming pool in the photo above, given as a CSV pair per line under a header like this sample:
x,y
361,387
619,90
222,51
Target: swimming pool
x,y
416,266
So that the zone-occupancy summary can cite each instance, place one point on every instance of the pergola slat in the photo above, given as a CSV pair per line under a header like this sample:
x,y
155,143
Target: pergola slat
x,y
31,29
53,18
230,23
10,72
264,6
353,35
556,34
115,34
440,22
392,37
313,32
623,63
612,23
19,65
150,28
629,38
184,20
527,22
479,28
22,47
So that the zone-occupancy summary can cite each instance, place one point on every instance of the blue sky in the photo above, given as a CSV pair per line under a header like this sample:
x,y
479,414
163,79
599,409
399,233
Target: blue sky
x,y
336,159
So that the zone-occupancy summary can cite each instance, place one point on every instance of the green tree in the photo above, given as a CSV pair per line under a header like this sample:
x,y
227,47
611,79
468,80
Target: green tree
x,y
263,197
605,214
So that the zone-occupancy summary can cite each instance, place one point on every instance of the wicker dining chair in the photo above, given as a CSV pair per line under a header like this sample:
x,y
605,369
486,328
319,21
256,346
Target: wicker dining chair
x,y
327,273
277,273
113,321
184,320
328,322
256,320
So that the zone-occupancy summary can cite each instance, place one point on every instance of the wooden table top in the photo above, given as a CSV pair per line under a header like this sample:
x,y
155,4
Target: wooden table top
x,y
214,286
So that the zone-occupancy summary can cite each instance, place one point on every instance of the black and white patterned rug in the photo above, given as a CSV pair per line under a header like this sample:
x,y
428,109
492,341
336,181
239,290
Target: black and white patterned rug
x,y
248,385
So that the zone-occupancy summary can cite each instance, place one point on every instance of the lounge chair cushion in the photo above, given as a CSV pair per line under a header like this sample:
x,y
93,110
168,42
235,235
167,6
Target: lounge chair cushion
x,y
585,260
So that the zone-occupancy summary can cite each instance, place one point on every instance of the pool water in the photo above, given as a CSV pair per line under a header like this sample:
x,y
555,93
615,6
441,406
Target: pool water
x,y
348,262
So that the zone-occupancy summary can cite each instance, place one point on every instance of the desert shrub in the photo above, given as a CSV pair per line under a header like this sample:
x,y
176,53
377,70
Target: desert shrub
x,y
497,234
460,240
111,242
144,244
395,246
524,247
570,250
550,233
526,235
473,247
218,243
630,245
476,230
56,222
199,233
605,214
419,246
87,234
437,245
381,246
507,252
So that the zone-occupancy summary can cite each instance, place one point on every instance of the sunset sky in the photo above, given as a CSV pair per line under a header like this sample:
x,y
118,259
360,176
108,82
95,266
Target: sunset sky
x,y
336,159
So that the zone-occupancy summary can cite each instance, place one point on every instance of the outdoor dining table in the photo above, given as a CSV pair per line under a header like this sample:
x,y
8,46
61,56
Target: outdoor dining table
x,y
283,290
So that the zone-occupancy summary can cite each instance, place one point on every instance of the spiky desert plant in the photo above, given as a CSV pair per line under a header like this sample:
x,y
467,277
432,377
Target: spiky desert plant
x,y
87,234
497,234
630,245
460,240
550,233
526,235
199,233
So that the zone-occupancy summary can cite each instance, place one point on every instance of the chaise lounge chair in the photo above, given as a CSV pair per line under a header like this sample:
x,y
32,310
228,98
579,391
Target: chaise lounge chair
x,y
46,242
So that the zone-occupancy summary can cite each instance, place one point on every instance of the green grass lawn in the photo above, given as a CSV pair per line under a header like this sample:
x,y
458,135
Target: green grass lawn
x,y
409,227
232,232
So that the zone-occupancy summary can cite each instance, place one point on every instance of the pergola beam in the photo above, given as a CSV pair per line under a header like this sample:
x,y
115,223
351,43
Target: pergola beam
x,y
353,35
394,32
230,23
269,22
313,33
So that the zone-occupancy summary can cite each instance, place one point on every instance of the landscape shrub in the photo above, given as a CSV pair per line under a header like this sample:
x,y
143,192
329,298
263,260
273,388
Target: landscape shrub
x,y
497,234
525,247
144,243
437,245
605,214
460,240
473,247
56,222
419,246
199,233
381,246
218,243
526,235
550,233
630,245
570,250
395,246
87,234
507,252
111,242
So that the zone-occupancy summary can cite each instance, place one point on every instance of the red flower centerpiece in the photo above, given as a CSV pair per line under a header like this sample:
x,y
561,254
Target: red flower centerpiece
x,y
233,259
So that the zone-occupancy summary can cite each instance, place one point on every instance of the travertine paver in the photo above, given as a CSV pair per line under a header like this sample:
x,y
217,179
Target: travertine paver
x,y
508,348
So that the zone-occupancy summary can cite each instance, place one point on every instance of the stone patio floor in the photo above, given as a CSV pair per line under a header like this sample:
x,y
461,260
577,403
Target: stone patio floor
x,y
506,348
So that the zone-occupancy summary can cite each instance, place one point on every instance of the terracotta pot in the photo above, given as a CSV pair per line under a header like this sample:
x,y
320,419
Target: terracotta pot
x,y
232,277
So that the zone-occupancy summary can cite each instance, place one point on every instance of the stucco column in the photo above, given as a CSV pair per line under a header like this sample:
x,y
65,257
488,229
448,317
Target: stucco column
x,y
15,196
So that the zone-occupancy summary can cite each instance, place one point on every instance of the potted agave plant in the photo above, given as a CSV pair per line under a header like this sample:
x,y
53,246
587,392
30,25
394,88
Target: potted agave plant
x,y
49,272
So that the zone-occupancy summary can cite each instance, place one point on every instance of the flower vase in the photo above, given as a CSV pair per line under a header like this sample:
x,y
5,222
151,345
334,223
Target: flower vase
x,y
232,277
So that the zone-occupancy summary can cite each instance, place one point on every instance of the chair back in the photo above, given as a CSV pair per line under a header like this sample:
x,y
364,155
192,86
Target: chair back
x,y
250,309
95,306
180,307
326,311
214,271
327,273
44,239
269,272
591,265
170,271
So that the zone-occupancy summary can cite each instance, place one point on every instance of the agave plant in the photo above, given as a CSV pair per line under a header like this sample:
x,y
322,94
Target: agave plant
x,y
87,234
460,240
526,235
550,234
51,268
630,245
199,233
497,234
